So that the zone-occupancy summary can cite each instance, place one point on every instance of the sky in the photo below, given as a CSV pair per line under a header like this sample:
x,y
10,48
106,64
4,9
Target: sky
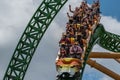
x,y
15,15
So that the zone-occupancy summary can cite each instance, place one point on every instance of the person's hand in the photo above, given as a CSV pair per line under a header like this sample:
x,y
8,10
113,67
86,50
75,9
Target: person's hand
x,y
69,6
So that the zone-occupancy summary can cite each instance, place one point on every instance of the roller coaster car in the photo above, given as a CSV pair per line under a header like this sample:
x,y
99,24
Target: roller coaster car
x,y
68,68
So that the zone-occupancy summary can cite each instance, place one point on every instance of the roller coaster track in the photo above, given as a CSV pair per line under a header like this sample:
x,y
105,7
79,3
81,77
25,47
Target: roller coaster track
x,y
34,32
105,39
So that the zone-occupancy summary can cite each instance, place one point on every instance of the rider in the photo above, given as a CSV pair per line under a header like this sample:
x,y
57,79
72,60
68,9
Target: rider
x,y
64,41
63,53
76,51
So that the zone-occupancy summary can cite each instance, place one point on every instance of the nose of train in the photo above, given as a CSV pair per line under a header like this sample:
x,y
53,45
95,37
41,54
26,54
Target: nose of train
x,y
66,71
68,76
65,75
68,68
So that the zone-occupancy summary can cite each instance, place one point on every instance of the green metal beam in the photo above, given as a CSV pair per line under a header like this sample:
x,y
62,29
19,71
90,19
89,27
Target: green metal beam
x,y
31,38
109,41
105,39
93,39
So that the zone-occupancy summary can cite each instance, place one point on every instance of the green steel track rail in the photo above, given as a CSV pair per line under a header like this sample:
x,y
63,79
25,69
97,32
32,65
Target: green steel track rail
x,y
93,40
31,38
110,42
34,32
105,39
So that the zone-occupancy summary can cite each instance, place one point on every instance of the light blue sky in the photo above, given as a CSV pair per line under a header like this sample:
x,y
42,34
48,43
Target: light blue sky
x,y
110,8
15,15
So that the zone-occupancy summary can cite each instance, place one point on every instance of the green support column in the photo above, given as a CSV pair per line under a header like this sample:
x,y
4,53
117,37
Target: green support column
x,y
31,38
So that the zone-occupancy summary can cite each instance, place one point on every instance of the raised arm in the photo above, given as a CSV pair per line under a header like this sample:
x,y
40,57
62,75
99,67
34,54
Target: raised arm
x,y
70,9
68,15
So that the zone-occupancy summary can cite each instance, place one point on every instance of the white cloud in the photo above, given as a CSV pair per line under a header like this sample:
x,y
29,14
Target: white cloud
x,y
14,16
111,24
